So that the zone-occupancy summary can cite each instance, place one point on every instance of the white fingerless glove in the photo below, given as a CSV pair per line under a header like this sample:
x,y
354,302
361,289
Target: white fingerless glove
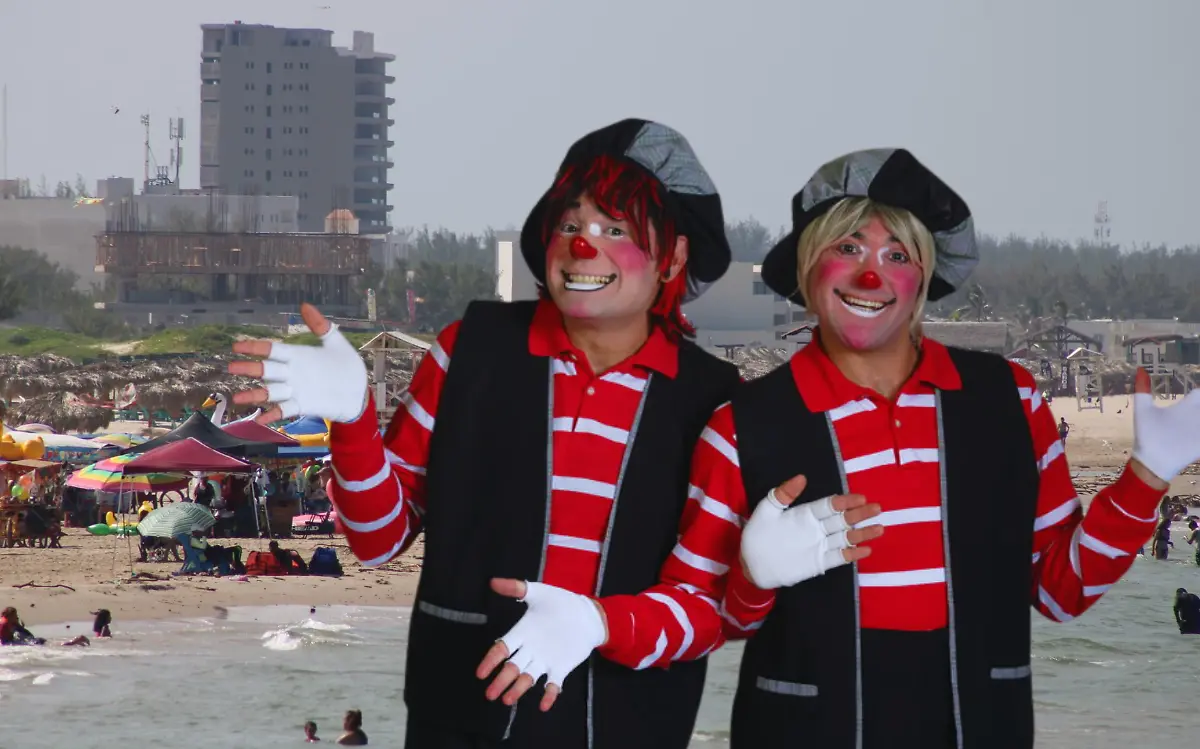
x,y
782,547
328,381
1166,439
558,632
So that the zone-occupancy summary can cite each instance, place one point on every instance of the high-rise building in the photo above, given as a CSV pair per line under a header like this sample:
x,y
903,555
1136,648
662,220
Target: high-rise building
x,y
284,112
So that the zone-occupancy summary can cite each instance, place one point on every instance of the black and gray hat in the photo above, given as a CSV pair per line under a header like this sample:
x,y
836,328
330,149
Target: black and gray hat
x,y
668,157
894,177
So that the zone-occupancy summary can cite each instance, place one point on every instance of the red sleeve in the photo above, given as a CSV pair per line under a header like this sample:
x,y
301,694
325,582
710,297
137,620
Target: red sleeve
x,y
379,481
679,619
1077,557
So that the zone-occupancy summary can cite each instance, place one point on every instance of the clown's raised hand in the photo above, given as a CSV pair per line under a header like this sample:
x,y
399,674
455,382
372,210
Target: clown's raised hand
x,y
1166,439
328,380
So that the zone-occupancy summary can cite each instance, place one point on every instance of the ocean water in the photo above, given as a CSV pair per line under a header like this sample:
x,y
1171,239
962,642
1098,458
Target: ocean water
x,y
1121,676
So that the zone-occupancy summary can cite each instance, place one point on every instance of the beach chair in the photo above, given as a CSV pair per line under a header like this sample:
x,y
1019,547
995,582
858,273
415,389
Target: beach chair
x,y
194,560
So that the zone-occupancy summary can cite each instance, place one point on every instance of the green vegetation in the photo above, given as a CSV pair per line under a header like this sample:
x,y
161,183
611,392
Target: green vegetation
x,y
31,341
202,338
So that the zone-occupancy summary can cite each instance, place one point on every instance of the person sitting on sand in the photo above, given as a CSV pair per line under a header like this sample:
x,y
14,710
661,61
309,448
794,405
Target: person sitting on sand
x,y
289,559
310,732
1187,612
352,725
100,625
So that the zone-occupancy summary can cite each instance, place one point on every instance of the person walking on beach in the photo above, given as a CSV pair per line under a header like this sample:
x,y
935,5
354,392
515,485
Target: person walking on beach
x,y
1063,429
553,487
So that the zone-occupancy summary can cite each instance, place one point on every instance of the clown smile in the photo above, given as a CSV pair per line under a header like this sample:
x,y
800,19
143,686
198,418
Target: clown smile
x,y
586,282
863,307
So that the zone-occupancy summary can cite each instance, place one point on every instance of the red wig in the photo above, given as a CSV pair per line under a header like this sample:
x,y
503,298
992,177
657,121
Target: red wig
x,y
627,193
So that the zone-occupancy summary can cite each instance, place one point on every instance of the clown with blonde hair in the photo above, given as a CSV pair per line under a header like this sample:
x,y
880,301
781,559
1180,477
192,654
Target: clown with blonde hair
x,y
906,502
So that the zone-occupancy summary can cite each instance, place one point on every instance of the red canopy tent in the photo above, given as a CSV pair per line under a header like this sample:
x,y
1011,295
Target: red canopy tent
x,y
186,455
254,432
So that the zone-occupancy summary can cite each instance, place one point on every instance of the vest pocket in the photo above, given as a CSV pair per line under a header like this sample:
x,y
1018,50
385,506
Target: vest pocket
x,y
445,647
786,688
775,712
1011,673
1011,704
459,617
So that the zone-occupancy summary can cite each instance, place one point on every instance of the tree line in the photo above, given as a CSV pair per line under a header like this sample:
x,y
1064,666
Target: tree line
x,y
1017,279
1020,279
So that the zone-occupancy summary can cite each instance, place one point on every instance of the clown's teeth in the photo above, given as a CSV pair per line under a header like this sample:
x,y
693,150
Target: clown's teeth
x,y
587,282
862,311
863,303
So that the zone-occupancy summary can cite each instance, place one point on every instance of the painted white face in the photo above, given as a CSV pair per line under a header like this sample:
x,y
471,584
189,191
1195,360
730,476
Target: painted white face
x,y
865,288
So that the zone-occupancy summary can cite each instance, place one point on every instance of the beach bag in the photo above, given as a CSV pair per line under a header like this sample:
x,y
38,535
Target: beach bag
x,y
263,563
324,562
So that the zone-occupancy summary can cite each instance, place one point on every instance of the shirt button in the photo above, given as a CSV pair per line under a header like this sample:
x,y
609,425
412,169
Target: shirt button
x,y
591,390
897,423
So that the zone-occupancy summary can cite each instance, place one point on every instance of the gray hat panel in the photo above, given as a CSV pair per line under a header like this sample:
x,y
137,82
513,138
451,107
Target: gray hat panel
x,y
667,155
957,253
849,176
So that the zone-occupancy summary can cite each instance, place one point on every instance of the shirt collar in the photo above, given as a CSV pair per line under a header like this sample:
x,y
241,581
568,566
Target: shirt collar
x,y
548,337
824,387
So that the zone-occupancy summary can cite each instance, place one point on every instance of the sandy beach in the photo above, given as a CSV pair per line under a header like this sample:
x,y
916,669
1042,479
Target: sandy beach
x,y
98,568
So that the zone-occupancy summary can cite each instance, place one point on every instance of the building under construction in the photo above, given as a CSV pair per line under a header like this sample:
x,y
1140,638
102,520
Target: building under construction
x,y
229,277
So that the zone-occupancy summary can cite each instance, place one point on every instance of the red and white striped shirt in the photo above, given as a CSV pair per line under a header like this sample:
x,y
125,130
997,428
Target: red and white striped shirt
x,y
379,482
891,456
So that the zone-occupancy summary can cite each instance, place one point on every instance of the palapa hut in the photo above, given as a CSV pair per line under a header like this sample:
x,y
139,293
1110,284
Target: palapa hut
x,y
64,412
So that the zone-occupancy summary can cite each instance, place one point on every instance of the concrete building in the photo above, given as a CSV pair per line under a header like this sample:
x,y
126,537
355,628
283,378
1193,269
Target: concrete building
x,y
284,112
739,310
63,230
242,214
514,280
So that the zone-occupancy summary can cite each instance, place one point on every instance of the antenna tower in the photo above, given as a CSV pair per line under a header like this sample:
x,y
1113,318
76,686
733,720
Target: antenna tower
x,y
145,119
176,133
4,134
1103,227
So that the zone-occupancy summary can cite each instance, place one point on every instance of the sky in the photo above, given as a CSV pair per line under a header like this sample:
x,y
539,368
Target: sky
x,y
1033,110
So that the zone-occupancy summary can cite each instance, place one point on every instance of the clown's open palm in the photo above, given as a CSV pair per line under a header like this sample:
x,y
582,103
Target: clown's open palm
x,y
1166,440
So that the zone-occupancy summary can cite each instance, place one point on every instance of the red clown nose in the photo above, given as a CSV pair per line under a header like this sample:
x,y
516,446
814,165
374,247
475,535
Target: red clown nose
x,y
870,280
581,250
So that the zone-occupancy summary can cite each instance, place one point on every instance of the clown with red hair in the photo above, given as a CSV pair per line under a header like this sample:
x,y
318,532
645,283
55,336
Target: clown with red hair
x,y
547,467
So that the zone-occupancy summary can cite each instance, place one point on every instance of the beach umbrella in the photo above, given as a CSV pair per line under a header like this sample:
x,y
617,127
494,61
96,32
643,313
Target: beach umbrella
x,y
109,476
123,441
64,411
180,517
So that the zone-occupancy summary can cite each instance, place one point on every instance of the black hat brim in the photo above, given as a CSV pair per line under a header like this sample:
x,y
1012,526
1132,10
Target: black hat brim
x,y
900,181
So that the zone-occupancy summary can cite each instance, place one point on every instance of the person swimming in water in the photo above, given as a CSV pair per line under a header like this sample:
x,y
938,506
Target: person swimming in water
x,y
13,632
352,725
310,732
1187,612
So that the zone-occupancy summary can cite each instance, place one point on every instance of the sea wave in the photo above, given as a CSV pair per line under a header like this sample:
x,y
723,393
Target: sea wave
x,y
310,633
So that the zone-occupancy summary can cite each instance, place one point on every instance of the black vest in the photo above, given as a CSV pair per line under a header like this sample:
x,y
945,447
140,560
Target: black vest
x,y
800,680
488,516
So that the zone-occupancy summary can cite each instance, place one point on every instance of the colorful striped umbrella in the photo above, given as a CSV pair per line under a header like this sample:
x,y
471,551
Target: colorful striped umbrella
x,y
108,476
